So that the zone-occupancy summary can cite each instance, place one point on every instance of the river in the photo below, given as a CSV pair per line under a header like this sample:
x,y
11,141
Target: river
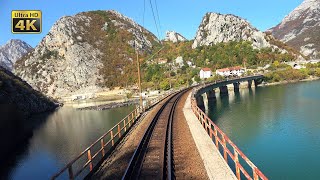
x,y
61,136
277,127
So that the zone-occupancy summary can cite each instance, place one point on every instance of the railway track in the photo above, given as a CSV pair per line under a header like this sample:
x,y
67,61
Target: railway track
x,y
153,157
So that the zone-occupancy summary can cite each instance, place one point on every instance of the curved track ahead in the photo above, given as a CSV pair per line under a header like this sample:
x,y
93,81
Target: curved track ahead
x,y
153,157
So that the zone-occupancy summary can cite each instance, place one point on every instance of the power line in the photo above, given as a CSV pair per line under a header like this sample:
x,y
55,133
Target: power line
x,y
155,1
144,12
154,18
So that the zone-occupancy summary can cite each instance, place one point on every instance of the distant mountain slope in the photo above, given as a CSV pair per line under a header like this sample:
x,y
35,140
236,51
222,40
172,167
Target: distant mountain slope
x,y
16,93
174,37
13,50
86,52
301,28
216,28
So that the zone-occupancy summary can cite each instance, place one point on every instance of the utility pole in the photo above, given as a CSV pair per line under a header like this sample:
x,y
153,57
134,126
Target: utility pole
x,y
139,80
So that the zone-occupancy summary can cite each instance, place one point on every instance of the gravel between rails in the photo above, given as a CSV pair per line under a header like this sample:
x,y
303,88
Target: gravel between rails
x,y
188,163
115,165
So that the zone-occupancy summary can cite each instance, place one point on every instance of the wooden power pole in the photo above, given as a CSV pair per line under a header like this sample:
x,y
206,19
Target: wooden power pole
x,y
139,80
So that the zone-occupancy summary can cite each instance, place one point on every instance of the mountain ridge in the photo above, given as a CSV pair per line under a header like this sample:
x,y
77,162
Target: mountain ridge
x,y
86,52
12,51
301,28
216,28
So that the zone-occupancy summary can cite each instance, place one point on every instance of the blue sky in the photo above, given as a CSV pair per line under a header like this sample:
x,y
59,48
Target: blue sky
x,y
183,16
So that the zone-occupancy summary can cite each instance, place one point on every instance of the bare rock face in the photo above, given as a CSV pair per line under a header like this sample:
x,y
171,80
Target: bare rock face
x,y
174,37
13,50
301,28
216,28
84,53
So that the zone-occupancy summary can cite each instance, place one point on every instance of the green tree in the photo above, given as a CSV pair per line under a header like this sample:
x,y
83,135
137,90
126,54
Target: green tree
x,y
165,84
197,79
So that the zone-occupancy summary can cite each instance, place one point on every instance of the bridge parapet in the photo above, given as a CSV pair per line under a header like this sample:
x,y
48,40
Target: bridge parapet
x,y
220,139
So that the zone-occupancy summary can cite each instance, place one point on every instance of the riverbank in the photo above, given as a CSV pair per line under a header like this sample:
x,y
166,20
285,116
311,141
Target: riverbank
x,y
290,81
110,105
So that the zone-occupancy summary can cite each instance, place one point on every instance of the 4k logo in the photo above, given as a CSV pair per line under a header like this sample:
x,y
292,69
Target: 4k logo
x,y
25,21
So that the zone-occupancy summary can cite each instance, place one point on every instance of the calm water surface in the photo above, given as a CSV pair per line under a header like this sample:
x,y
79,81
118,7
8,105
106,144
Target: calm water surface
x,y
63,135
277,127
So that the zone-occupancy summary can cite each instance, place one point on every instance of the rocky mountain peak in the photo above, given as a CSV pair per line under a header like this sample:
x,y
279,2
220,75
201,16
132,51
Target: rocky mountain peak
x,y
174,37
141,41
84,53
301,28
13,50
308,8
216,28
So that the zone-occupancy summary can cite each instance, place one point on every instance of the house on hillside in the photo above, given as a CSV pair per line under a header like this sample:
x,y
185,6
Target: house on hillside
x,y
205,73
232,71
162,60
297,66
190,64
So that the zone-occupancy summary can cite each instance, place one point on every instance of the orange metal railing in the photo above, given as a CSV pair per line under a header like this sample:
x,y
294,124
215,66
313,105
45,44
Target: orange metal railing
x,y
106,142
214,132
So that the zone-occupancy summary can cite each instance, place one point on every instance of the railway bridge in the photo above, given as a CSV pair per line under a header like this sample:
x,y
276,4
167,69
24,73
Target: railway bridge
x,y
170,138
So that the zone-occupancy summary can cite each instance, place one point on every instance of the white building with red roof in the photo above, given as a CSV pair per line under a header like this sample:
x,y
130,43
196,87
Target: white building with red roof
x,y
205,73
232,71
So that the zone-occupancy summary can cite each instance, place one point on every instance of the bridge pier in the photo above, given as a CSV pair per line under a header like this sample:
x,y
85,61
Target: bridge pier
x,y
236,86
200,101
257,82
205,101
223,90
211,95
249,84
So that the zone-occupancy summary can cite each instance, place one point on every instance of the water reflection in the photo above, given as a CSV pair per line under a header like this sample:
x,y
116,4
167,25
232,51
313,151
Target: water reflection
x,y
277,127
63,135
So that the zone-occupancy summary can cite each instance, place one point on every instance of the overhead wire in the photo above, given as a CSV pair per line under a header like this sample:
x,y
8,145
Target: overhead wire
x,y
154,18
157,12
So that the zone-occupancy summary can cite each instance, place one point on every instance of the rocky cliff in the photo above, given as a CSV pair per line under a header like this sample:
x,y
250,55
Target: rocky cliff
x,y
174,37
86,52
216,28
301,28
13,50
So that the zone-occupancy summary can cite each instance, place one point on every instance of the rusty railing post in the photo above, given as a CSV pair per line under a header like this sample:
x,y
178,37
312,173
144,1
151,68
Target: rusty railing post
x,y
236,162
119,131
102,146
136,113
255,175
216,137
132,116
90,159
129,121
210,129
224,148
111,137
70,172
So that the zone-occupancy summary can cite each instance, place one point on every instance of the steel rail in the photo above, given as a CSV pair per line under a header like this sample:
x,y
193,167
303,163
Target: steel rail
x,y
134,168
